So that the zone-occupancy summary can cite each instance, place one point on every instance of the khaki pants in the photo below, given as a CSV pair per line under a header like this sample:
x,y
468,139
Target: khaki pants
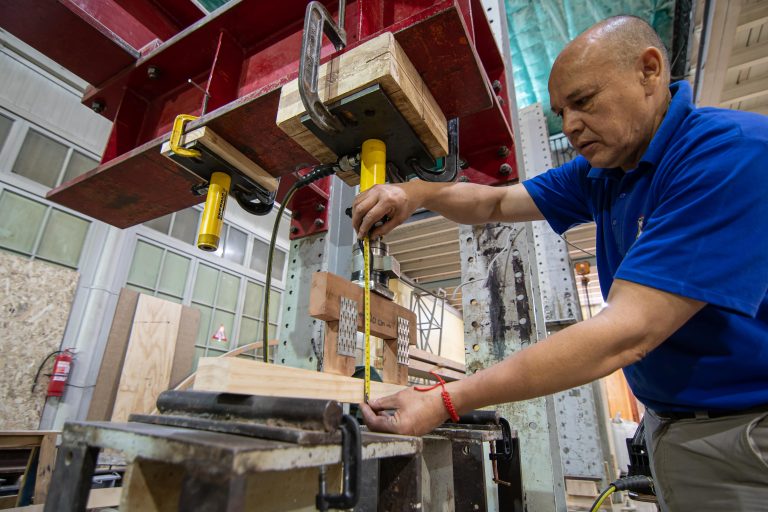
x,y
709,464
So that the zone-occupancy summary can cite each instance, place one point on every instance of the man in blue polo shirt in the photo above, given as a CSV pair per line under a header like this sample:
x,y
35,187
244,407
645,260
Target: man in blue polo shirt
x,y
680,199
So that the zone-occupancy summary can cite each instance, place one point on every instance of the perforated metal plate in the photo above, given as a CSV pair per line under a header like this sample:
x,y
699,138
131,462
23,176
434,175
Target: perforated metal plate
x,y
347,327
403,342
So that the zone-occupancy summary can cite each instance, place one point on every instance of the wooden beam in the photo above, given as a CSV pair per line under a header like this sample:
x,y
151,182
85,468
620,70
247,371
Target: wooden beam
x,y
749,56
753,16
208,138
236,375
325,304
421,369
443,362
379,60
746,90
722,30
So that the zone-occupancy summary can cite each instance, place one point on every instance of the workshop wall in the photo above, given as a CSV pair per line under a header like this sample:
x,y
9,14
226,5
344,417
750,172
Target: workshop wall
x,y
35,301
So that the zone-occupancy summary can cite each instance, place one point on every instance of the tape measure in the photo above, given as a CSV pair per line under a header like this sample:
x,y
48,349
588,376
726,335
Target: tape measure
x,y
367,308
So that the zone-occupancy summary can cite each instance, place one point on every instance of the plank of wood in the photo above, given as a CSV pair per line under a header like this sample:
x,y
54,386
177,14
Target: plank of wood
x,y
257,378
333,362
149,358
380,60
443,362
325,304
184,354
97,499
45,464
421,369
392,371
105,391
23,438
208,138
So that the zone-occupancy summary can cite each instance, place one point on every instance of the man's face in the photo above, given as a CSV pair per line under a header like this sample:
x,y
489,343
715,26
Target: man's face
x,y
605,111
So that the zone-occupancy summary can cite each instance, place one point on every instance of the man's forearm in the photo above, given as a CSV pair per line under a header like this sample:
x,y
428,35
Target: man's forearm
x,y
463,203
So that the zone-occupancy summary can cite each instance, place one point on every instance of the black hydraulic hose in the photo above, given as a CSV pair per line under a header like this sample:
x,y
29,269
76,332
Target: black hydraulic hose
x,y
320,171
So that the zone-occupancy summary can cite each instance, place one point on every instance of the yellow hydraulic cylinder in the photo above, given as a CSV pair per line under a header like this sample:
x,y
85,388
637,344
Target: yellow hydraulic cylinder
x,y
213,212
373,164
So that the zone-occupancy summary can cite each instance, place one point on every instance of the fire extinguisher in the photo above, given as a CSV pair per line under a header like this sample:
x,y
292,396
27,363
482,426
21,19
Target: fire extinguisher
x,y
62,366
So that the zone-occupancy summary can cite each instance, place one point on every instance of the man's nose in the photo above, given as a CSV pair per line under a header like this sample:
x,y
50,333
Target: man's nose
x,y
572,124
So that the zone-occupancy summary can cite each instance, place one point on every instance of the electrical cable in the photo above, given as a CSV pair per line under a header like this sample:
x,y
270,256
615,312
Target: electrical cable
x,y
40,368
600,499
510,241
640,484
576,246
318,172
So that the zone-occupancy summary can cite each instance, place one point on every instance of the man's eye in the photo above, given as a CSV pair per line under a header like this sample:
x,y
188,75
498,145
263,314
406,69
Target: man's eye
x,y
582,101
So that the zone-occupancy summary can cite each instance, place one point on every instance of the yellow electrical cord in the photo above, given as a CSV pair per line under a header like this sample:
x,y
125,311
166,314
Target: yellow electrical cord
x,y
601,499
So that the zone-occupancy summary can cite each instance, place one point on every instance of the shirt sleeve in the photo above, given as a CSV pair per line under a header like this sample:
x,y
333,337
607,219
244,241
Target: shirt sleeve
x,y
561,195
707,237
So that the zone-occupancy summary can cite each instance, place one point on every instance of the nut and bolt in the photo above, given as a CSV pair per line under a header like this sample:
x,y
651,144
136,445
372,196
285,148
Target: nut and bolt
x,y
319,223
496,86
319,207
503,152
463,179
98,106
294,230
153,72
505,169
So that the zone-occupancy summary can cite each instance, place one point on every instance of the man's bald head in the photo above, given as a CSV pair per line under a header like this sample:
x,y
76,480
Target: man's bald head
x,y
620,38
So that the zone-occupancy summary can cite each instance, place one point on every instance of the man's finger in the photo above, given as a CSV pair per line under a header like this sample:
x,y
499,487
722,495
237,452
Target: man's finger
x,y
385,403
378,423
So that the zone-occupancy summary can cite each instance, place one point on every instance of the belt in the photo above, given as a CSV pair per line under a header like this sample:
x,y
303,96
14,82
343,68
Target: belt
x,y
717,413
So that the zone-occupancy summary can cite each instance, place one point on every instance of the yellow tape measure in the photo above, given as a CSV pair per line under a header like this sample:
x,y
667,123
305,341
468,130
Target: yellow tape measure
x,y
367,307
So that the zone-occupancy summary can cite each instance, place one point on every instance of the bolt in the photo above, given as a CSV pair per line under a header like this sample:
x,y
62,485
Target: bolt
x,y
501,100
319,207
496,86
503,152
319,222
463,179
505,169
294,230
153,72
98,106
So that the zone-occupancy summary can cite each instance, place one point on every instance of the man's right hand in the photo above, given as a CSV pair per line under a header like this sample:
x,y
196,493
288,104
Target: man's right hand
x,y
396,201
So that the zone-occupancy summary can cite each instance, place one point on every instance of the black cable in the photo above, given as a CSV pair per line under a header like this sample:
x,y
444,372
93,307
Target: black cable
x,y
576,246
40,368
640,484
318,172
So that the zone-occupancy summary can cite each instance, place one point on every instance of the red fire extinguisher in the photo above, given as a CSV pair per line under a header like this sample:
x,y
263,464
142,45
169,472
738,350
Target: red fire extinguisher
x,y
62,366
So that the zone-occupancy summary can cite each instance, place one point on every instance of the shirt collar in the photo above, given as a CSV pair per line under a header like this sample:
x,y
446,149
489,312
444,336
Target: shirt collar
x,y
679,108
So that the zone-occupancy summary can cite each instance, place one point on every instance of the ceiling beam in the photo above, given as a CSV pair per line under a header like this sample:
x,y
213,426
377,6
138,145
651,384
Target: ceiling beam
x,y
746,90
749,56
719,42
753,16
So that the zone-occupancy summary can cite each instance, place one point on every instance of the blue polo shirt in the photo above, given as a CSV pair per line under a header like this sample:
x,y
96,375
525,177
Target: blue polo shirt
x,y
691,219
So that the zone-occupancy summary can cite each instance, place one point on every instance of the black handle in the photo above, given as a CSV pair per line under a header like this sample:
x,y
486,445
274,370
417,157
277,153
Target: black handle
x,y
317,21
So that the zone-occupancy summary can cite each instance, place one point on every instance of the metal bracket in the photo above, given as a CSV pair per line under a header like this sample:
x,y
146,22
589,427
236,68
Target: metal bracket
x,y
352,460
317,21
452,162
347,327
177,132
403,341
504,450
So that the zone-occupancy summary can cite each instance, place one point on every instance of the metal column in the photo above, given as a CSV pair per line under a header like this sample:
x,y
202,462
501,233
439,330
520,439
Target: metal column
x,y
301,336
582,432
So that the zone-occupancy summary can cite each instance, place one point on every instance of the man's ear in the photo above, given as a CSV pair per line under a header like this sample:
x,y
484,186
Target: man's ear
x,y
651,66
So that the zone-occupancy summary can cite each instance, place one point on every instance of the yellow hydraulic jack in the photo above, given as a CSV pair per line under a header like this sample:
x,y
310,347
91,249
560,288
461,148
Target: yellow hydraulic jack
x,y
209,234
373,167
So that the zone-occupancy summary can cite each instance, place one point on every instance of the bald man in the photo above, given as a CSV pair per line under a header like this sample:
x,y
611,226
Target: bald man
x,y
680,199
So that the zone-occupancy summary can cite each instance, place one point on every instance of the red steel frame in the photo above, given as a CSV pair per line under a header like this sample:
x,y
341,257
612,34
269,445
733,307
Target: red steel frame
x,y
139,56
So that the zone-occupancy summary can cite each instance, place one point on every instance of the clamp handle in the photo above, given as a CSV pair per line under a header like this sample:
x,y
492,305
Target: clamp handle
x,y
317,21
177,132
352,461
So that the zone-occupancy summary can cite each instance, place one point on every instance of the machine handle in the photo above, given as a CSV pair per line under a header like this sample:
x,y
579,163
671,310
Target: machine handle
x,y
352,460
317,21
504,447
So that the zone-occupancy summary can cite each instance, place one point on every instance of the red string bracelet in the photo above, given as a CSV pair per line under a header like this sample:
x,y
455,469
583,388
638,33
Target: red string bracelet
x,y
446,397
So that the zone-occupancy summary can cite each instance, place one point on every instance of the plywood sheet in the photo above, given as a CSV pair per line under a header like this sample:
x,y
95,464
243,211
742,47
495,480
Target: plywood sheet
x,y
35,302
184,354
149,358
236,375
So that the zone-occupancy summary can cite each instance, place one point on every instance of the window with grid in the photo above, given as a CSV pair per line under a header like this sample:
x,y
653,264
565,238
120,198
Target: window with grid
x,y
48,161
251,325
159,272
36,229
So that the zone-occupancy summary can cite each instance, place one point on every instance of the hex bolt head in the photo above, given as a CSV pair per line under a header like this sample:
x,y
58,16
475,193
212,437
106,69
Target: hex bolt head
x,y
294,230
98,106
503,151
496,86
463,179
505,169
153,72
319,223
319,207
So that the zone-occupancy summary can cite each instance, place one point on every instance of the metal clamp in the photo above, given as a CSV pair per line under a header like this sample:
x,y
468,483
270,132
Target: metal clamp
x,y
317,21
504,447
451,163
352,460
177,132
256,201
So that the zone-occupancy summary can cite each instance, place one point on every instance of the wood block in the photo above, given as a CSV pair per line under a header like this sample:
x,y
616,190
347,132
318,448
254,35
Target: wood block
x,y
393,371
105,391
325,304
236,375
442,362
380,60
208,138
45,464
421,369
184,354
149,358
333,362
